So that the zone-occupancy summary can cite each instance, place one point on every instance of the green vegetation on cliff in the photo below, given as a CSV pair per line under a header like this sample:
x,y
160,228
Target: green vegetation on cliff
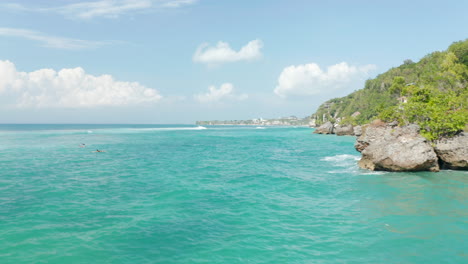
x,y
432,93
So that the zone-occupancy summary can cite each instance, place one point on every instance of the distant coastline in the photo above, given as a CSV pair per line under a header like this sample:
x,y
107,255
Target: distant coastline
x,y
283,121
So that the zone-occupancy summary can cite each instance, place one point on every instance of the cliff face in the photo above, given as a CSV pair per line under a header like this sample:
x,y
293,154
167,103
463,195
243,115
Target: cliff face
x,y
427,98
391,148
327,128
453,152
330,128
346,130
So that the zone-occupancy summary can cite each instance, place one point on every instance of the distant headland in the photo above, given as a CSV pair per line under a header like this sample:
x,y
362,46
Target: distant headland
x,y
282,121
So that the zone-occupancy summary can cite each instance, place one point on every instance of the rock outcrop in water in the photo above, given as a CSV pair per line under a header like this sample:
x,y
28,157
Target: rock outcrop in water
x,y
453,152
340,130
346,130
392,148
327,128
389,147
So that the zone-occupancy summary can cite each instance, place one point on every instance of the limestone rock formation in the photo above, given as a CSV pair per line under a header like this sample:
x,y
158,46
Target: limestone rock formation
x,y
453,152
357,131
344,130
395,149
326,128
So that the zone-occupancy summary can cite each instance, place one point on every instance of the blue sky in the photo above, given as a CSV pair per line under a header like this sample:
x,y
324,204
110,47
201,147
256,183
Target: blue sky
x,y
178,61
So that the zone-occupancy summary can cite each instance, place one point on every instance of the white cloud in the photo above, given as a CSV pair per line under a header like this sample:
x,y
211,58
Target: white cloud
x,y
222,53
310,79
224,92
102,8
178,3
50,41
68,88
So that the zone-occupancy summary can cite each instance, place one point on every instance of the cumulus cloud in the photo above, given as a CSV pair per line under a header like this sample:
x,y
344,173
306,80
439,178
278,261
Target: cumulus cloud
x,y
224,92
222,53
310,79
69,88
50,41
102,8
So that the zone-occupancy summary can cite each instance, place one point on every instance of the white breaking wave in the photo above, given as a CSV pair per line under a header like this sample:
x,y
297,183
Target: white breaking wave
x,y
342,158
345,163
260,128
368,172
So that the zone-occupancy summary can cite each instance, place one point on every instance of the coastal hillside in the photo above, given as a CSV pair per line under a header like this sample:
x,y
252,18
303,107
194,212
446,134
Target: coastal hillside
x,y
428,92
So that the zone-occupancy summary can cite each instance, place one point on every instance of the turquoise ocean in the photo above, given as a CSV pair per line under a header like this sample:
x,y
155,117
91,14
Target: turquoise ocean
x,y
220,194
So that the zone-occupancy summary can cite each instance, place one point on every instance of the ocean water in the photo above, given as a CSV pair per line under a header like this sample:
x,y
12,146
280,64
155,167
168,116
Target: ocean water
x,y
186,194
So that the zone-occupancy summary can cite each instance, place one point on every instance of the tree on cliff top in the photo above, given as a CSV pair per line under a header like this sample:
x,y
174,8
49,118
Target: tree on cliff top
x,y
460,49
439,106
431,92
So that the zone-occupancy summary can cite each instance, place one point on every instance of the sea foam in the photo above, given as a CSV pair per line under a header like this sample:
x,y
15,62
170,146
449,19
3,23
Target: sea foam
x,y
341,158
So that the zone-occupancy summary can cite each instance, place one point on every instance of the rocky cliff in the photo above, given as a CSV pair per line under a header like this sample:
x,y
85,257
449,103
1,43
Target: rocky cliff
x,y
453,152
389,147
346,130
392,148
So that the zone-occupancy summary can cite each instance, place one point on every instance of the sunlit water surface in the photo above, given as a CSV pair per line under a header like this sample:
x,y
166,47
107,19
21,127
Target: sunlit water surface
x,y
185,194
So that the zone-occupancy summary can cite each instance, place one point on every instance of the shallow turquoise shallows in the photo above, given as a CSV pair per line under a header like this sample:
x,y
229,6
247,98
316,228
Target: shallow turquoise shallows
x,y
185,194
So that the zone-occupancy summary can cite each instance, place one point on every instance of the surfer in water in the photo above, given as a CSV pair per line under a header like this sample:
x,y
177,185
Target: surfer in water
x,y
97,150
82,145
